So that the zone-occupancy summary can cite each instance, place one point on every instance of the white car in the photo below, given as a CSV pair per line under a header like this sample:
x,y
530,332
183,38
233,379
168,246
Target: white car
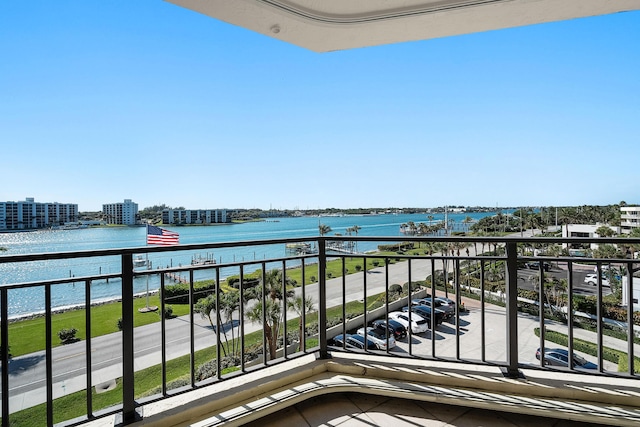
x,y
592,279
379,337
418,323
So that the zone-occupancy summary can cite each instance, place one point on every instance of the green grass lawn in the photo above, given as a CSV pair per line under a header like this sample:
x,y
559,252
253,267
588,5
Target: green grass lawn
x,y
28,336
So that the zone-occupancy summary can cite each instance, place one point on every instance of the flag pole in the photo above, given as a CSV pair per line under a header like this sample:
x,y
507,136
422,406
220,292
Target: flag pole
x,y
147,309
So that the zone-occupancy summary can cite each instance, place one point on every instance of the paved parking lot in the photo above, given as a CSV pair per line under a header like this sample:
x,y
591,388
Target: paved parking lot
x,y
469,343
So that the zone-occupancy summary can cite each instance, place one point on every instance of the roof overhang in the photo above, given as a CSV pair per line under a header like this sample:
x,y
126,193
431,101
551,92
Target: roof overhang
x,y
327,25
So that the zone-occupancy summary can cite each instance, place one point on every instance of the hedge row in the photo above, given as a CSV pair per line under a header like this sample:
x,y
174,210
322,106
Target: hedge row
x,y
179,293
404,246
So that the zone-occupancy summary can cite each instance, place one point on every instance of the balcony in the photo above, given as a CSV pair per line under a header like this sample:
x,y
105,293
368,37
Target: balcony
x,y
173,370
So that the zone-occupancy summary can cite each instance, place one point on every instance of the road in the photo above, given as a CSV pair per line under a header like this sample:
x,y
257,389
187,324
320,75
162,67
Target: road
x,y
528,279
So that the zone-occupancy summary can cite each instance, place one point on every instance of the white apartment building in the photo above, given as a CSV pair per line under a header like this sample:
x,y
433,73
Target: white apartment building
x,y
29,214
196,216
629,218
123,213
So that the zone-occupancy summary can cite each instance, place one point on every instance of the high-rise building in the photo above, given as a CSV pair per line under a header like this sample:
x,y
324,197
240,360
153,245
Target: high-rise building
x,y
629,218
29,214
122,213
195,216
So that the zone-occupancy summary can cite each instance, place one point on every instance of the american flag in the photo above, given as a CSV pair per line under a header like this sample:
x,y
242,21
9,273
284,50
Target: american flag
x,y
160,236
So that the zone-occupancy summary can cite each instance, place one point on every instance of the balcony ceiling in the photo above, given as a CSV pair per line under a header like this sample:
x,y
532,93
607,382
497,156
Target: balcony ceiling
x,y
327,25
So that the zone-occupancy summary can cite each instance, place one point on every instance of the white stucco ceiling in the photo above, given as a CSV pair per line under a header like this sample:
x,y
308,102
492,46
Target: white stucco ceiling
x,y
326,25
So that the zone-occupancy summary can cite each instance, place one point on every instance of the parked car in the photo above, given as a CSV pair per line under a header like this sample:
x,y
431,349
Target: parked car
x,y
418,324
379,336
560,357
447,301
447,311
398,330
592,279
535,265
425,312
608,271
354,341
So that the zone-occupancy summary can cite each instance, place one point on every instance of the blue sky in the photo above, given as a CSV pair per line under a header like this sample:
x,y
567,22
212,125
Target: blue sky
x,y
144,100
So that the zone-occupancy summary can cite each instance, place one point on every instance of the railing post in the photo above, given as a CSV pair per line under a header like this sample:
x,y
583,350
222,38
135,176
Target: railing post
x,y
512,310
128,385
322,296
4,338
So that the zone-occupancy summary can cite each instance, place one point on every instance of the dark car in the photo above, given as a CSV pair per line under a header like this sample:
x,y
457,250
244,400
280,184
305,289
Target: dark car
x,y
535,265
425,312
447,301
560,357
447,311
396,328
354,341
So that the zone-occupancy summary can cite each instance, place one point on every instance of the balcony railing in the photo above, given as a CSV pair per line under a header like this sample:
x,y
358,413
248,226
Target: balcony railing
x,y
482,275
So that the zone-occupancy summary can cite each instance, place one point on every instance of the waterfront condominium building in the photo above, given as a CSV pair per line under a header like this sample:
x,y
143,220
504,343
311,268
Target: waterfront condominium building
x,y
122,213
29,214
629,218
196,216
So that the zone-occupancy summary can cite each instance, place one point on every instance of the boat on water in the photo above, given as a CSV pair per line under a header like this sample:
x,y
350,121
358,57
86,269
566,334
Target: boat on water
x,y
139,261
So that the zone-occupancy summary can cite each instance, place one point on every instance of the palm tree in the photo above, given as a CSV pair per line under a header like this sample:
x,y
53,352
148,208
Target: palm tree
x,y
468,220
324,229
604,231
412,227
272,306
301,306
355,229
229,304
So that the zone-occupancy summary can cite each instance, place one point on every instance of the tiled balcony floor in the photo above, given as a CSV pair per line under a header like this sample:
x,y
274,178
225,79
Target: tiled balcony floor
x,y
353,409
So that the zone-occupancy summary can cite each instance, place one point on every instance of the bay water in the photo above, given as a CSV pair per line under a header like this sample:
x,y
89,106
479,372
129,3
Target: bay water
x,y
31,300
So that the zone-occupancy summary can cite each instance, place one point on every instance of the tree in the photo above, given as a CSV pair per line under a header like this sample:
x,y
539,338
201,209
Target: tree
x,y
229,304
412,227
604,231
355,229
467,220
301,306
324,229
605,251
270,305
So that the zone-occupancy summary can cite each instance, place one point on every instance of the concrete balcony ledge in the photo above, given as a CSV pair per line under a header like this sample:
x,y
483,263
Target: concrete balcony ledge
x,y
237,401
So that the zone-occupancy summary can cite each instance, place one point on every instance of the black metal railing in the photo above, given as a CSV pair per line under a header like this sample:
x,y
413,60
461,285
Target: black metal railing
x,y
420,264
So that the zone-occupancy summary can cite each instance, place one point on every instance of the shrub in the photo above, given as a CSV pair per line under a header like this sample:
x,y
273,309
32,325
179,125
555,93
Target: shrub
x,y
247,282
313,279
210,368
395,289
120,324
168,312
376,263
358,267
179,293
67,335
